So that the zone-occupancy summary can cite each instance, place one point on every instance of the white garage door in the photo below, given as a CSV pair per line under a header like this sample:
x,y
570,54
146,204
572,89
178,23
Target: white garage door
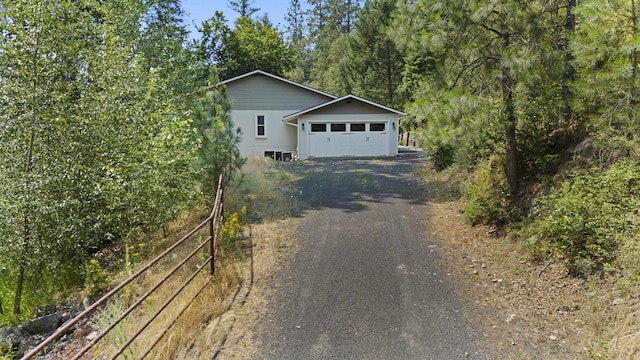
x,y
348,139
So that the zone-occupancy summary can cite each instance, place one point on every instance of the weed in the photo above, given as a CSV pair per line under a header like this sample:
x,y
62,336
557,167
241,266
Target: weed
x,y
229,234
118,335
487,197
96,280
363,178
599,351
265,193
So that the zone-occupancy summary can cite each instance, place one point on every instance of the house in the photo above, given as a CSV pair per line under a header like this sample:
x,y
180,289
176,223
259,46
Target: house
x,y
285,120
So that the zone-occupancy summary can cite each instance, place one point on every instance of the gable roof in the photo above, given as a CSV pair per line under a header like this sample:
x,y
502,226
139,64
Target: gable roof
x,y
264,73
337,100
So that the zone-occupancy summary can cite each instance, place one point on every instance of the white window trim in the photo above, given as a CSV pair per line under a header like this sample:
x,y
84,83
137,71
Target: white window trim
x,y
264,117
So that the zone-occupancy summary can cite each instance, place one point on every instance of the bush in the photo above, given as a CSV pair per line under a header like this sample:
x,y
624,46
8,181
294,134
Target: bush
x,y
487,199
97,280
587,217
441,155
229,234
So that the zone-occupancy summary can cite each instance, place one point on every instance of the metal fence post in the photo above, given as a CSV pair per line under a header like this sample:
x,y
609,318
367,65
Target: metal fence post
x,y
211,243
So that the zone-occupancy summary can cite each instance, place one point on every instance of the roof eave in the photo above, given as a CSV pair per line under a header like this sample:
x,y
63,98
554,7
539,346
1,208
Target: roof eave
x,y
264,73
337,100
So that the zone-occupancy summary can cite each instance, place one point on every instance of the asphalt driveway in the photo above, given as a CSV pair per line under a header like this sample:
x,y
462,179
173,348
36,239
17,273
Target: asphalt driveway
x,y
366,283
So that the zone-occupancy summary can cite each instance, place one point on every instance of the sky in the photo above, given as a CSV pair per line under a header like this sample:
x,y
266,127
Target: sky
x,y
201,10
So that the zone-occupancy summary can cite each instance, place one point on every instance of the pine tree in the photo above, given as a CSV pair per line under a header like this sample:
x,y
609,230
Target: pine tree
x,y
243,7
607,59
480,57
377,62
218,137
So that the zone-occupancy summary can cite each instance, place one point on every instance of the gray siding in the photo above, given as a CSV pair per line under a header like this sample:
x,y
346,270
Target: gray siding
x,y
264,93
352,108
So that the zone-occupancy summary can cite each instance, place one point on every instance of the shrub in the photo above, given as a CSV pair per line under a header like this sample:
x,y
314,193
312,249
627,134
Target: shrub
x,y
441,155
487,199
229,234
586,218
96,280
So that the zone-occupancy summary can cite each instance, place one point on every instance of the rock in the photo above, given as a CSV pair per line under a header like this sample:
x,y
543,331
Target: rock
x,y
43,325
92,336
553,337
11,338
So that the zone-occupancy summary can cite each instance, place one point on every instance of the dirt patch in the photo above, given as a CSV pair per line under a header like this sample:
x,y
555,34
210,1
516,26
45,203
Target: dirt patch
x,y
532,309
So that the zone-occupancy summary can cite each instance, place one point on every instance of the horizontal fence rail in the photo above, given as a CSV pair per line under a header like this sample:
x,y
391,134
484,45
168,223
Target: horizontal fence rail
x,y
212,223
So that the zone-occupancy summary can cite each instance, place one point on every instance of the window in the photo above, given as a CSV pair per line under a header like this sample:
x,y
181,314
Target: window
x,y
357,127
338,127
376,127
279,155
261,126
318,127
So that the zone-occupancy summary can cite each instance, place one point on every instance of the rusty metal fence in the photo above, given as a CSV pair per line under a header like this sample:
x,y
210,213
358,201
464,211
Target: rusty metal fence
x,y
211,225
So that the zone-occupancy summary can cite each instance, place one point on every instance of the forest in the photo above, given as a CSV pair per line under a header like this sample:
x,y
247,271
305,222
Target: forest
x,y
111,125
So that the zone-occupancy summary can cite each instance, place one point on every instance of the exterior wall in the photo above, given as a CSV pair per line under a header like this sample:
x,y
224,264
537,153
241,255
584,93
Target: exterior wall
x,y
265,93
303,135
279,136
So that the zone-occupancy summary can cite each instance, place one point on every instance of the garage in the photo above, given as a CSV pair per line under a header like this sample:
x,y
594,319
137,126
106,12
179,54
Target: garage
x,y
346,127
348,139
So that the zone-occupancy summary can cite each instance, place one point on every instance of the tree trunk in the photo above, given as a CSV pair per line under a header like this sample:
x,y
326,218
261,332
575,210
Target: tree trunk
x,y
569,71
510,127
512,159
17,300
24,257
634,52
389,76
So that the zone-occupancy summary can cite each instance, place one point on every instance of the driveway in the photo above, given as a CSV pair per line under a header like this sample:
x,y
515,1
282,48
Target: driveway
x,y
366,283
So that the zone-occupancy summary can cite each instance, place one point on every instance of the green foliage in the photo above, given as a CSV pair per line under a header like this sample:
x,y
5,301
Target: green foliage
x,y
478,67
218,137
229,235
487,199
251,45
329,64
377,63
96,280
457,127
588,216
117,336
441,155
93,145
262,193
243,7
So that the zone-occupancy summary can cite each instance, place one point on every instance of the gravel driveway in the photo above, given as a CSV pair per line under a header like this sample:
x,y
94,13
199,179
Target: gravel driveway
x,y
366,282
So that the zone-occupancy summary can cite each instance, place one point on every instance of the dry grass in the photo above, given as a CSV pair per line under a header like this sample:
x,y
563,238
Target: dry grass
x,y
209,297
527,306
220,319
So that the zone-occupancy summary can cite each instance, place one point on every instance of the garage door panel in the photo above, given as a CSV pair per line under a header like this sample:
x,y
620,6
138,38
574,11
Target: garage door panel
x,y
335,144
